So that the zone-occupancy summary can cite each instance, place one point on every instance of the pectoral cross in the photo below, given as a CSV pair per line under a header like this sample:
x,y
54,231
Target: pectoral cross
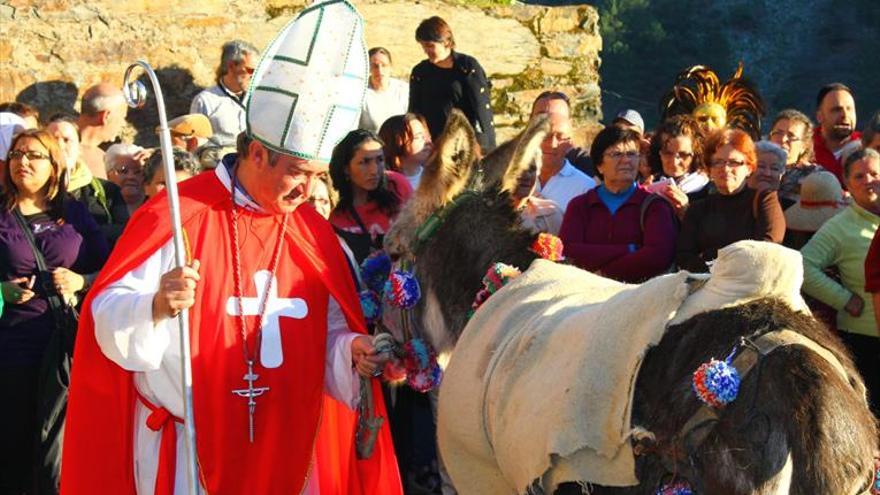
x,y
251,393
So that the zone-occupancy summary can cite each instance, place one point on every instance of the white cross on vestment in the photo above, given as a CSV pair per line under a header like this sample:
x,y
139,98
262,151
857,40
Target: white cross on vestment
x,y
271,355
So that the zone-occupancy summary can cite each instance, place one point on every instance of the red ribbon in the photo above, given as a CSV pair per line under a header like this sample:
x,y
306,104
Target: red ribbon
x,y
156,421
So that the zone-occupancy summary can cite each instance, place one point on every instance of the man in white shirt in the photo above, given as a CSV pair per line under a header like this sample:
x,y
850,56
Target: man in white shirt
x,y
223,104
558,179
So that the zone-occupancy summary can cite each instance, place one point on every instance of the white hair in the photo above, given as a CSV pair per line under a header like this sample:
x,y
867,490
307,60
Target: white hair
x,y
117,151
234,51
768,147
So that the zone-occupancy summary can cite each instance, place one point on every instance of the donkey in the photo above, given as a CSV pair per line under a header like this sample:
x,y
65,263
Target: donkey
x,y
797,427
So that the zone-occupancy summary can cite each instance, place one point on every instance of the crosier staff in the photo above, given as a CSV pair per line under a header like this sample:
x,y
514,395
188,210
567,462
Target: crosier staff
x,y
135,95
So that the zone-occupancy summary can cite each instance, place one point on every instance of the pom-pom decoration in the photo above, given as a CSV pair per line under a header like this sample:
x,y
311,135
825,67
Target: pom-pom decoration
x,y
716,383
677,488
371,304
394,372
496,277
548,246
875,485
375,270
402,289
423,373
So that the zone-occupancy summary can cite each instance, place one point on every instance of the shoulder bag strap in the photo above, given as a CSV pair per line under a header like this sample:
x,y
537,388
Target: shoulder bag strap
x,y
357,218
55,301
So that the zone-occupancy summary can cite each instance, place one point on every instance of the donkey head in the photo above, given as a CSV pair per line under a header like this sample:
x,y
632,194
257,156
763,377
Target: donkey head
x,y
461,220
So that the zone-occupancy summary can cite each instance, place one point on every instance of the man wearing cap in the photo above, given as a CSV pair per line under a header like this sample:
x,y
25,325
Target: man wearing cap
x,y
190,131
275,320
630,119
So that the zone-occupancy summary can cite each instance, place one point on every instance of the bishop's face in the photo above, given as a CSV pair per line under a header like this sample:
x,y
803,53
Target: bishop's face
x,y
284,183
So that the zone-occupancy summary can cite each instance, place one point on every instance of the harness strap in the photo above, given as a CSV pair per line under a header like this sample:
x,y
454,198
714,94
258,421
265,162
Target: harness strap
x,y
698,427
158,420
429,227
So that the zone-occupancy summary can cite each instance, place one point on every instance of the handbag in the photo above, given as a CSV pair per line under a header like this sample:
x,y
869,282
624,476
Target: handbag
x,y
54,378
362,244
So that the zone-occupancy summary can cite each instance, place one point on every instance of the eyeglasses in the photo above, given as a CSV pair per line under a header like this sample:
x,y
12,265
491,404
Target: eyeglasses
x,y
619,155
681,155
730,163
250,70
128,169
30,155
780,134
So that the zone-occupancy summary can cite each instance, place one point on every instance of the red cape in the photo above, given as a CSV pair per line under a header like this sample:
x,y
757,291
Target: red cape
x,y
98,444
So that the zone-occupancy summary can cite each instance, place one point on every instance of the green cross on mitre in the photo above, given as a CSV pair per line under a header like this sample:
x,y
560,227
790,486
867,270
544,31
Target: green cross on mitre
x,y
309,86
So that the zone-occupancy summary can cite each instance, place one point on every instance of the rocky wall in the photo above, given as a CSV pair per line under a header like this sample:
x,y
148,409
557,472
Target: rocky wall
x,y
52,50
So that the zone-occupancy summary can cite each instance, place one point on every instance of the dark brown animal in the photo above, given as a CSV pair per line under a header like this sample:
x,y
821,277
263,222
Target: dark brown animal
x,y
796,427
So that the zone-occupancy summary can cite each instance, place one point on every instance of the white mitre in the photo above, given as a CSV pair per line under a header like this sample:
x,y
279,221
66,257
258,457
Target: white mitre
x,y
309,86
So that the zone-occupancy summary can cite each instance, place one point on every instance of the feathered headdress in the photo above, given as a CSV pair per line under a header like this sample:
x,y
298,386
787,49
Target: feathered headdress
x,y
697,91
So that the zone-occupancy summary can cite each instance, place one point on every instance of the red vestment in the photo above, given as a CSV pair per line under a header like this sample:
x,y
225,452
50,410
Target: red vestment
x,y
825,157
98,444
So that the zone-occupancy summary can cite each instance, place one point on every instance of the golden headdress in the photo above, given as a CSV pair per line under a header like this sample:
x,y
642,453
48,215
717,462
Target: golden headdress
x,y
697,91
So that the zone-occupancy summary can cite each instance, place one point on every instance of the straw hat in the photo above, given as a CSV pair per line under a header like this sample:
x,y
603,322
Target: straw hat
x,y
821,198
191,125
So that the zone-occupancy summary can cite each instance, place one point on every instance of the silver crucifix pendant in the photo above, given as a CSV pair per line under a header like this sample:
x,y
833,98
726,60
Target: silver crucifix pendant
x,y
251,393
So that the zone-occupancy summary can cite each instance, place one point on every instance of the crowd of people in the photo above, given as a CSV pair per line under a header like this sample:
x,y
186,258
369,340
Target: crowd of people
x,y
633,205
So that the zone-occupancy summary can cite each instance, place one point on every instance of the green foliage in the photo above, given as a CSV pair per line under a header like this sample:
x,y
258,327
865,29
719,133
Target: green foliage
x,y
647,42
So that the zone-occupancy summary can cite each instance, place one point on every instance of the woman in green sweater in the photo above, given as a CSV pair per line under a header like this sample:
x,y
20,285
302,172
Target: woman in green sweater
x,y
843,242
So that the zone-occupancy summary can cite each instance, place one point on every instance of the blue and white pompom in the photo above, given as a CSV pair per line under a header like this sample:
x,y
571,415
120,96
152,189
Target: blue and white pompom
x,y
402,289
371,305
716,383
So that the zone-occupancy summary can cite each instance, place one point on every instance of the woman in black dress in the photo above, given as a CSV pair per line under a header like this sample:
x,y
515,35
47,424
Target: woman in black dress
x,y
448,79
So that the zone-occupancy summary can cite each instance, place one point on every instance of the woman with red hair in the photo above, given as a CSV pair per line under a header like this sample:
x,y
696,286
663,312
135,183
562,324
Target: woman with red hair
x,y
736,212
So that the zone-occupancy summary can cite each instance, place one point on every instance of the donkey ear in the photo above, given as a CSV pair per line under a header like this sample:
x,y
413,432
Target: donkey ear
x,y
527,151
444,176
455,154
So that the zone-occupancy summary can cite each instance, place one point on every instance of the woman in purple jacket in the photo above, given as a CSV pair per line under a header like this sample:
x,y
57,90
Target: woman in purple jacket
x,y
619,230
73,247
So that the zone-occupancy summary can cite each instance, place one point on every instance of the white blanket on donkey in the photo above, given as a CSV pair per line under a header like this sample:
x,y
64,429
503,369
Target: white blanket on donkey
x,y
540,384
541,381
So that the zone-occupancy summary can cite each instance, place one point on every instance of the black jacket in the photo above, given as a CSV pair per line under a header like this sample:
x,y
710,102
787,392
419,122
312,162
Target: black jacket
x,y
434,92
104,201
